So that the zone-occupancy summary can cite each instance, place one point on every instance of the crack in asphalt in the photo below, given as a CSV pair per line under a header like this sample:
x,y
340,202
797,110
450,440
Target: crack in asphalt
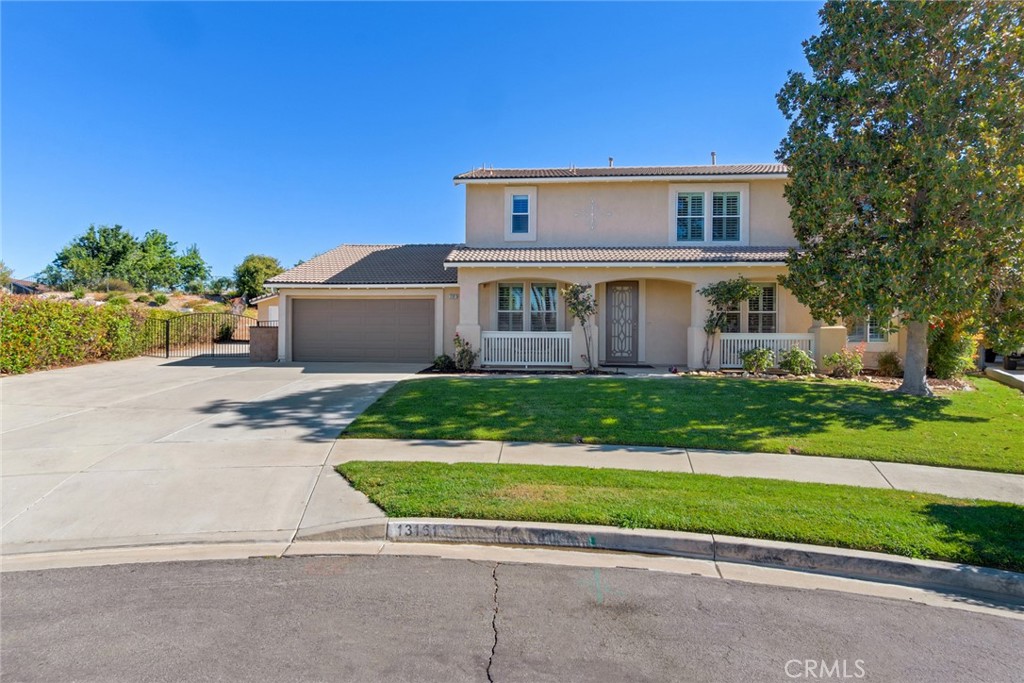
x,y
494,623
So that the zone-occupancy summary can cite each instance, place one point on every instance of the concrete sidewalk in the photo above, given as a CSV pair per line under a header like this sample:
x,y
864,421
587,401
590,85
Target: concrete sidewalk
x,y
946,481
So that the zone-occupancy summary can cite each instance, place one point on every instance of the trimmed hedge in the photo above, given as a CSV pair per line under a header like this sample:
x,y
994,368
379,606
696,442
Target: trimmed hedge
x,y
36,334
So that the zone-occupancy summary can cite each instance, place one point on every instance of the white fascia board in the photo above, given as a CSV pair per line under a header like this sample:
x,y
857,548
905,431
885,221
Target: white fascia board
x,y
618,264
299,285
623,179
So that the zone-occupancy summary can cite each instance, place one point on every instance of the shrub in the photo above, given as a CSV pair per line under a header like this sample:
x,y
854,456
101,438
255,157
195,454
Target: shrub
x,y
757,360
142,298
845,362
116,284
890,364
951,349
36,334
77,293
797,361
196,287
465,356
444,363
160,298
225,330
117,299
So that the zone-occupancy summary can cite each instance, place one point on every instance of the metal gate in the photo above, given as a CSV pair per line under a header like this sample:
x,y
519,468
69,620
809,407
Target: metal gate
x,y
199,334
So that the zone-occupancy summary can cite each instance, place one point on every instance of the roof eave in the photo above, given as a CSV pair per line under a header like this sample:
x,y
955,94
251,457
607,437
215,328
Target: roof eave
x,y
610,264
706,177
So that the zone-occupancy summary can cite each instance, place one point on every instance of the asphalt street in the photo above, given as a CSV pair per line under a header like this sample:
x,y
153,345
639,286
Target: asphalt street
x,y
382,618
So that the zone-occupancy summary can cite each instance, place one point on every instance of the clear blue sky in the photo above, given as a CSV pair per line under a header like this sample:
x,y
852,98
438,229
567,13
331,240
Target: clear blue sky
x,y
288,129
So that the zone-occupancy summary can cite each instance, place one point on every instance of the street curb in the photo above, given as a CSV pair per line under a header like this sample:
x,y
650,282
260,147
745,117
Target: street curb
x,y
857,564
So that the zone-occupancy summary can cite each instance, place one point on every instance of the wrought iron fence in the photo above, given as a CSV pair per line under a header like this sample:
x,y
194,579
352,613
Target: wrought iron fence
x,y
200,334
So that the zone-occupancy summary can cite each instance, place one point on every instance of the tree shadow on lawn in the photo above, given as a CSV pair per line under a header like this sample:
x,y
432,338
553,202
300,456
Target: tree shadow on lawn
x,y
315,414
992,531
722,411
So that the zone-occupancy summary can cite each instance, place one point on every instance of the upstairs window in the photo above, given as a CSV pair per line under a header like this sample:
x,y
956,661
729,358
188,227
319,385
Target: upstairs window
x,y
520,214
690,216
866,330
510,308
761,311
543,308
725,216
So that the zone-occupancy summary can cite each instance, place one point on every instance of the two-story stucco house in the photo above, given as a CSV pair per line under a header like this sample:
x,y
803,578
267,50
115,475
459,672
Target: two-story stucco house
x,y
646,238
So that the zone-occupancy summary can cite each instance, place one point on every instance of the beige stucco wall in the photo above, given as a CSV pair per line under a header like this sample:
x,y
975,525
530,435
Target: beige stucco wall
x,y
263,308
667,317
627,214
450,300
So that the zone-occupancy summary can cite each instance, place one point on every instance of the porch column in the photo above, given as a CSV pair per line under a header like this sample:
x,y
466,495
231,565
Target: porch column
x,y
469,310
827,339
695,337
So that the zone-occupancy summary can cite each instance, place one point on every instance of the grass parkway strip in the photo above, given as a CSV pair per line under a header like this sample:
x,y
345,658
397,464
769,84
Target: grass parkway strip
x,y
981,429
915,525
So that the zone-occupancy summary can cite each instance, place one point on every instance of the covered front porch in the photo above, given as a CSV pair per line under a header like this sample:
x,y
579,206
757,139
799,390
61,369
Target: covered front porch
x,y
517,317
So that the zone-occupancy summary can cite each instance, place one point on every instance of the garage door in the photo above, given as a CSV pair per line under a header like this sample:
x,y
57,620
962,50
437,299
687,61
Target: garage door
x,y
377,330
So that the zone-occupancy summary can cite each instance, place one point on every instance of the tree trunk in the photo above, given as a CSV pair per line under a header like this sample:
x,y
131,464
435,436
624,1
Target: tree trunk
x,y
915,364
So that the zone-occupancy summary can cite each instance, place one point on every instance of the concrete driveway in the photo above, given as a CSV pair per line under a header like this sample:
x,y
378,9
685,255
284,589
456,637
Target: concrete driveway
x,y
155,451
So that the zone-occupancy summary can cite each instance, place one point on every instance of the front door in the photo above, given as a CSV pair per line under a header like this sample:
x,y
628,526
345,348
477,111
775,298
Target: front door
x,y
623,322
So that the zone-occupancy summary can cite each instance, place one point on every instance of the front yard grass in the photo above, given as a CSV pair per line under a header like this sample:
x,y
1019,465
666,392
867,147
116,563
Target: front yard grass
x,y
910,524
981,429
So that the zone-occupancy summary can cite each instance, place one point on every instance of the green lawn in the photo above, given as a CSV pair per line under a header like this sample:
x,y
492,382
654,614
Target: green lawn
x,y
911,524
981,429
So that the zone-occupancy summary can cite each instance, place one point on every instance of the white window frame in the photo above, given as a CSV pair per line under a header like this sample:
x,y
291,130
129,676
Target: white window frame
x,y
527,309
882,338
531,194
524,321
552,311
763,312
709,189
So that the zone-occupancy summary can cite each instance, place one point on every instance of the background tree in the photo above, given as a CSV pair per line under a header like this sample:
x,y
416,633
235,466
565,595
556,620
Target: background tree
x,y
906,150
193,270
220,285
99,253
252,272
5,275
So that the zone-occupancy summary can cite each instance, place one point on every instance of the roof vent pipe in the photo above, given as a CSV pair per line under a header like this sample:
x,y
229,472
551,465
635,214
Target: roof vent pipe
x,y
714,159
611,161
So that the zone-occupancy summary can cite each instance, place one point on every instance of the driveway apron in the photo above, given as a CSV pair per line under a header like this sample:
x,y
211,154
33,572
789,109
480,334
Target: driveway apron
x,y
155,451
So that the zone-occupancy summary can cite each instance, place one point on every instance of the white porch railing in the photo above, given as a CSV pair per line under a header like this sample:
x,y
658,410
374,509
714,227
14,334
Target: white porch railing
x,y
526,348
732,344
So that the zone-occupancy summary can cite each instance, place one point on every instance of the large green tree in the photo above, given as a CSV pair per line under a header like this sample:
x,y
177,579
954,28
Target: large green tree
x,y
192,268
906,164
252,272
100,252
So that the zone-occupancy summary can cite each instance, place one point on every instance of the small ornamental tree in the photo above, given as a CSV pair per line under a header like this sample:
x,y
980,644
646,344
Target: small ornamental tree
x,y
906,169
722,297
581,304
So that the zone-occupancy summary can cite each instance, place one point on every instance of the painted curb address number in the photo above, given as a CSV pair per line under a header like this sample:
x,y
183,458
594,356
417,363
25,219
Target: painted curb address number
x,y
406,530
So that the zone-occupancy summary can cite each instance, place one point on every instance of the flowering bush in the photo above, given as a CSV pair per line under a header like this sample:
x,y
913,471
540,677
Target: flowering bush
x,y
846,362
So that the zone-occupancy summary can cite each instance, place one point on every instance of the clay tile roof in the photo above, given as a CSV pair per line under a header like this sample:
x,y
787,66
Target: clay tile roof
x,y
374,264
730,254
621,171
